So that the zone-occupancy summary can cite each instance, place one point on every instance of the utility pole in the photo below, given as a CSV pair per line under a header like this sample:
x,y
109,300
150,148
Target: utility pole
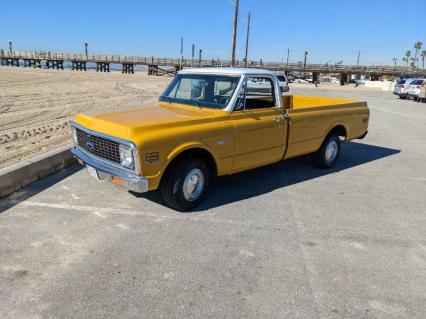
x,y
199,57
247,40
193,55
234,33
10,45
288,55
86,47
181,53
304,61
357,61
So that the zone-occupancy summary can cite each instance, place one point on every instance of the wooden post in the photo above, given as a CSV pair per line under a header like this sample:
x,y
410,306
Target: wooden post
x,y
247,40
234,33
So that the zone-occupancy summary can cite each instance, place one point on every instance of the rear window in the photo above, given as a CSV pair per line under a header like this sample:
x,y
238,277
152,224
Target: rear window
x,y
401,82
281,78
417,82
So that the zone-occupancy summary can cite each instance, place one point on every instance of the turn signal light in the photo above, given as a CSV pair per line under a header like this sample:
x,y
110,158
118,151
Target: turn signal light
x,y
117,180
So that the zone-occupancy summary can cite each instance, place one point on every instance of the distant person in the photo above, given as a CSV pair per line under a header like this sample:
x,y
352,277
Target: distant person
x,y
422,95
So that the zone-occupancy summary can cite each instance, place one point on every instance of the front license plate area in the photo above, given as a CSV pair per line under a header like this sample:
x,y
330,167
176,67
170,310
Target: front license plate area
x,y
92,172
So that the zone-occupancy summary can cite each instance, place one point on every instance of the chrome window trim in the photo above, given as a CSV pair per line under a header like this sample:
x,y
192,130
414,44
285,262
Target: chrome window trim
x,y
136,157
234,98
278,100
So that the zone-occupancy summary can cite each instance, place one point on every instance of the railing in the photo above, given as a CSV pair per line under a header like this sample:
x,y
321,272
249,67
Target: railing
x,y
121,59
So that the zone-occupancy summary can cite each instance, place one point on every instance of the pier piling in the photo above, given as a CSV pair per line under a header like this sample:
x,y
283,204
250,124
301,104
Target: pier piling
x,y
79,65
102,67
128,68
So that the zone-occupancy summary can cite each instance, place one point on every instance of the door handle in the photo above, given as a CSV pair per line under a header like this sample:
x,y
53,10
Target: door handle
x,y
280,119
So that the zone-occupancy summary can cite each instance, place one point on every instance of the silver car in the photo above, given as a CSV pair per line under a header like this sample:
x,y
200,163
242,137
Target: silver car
x,y
283,82
402,86
414,89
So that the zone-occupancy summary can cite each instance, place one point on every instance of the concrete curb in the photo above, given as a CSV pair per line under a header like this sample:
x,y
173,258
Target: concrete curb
x,y
22,174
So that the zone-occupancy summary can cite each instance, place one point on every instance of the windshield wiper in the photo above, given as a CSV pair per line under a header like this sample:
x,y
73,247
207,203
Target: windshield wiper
x,y
197,103
167,98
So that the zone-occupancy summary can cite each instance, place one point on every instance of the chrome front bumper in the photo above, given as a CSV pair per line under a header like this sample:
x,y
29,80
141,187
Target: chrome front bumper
x,y
105,172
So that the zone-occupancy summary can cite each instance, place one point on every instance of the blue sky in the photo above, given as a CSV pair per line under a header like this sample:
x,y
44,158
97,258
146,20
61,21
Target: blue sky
x,y
330,30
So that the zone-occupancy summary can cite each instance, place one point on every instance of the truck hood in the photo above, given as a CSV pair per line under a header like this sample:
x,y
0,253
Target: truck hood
x,y
127,123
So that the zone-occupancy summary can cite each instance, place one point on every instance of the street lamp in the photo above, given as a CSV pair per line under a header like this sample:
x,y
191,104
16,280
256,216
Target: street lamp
x,y
193,55
86,47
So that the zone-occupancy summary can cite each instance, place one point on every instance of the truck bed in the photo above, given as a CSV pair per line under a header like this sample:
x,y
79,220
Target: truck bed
x,y
302,102
312,118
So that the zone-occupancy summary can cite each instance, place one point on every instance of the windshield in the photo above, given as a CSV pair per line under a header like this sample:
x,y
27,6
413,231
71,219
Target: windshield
x,y
212,91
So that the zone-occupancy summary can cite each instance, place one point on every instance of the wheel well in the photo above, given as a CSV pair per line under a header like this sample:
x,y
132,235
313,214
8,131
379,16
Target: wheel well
x,y
339,130
200,153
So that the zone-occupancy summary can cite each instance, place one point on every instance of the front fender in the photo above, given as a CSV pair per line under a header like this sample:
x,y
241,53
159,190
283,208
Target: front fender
x,y
154,181
186,146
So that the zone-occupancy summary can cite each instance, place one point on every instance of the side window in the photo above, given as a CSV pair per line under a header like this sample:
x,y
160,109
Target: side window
x,y
260,93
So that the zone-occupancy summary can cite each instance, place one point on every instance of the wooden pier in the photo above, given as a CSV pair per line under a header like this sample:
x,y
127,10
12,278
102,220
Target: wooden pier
x,y
163,66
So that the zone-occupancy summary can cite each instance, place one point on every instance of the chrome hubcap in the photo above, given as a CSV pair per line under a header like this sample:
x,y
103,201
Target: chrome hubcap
x,y
193,184
331,151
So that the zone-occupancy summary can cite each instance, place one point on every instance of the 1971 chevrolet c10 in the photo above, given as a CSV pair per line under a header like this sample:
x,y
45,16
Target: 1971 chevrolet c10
x,y
211,122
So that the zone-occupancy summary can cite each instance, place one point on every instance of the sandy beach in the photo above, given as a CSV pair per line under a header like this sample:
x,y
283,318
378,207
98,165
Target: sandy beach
x,y
36,106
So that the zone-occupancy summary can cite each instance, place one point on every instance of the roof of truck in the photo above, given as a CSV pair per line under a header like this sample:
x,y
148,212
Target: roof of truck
x,y
227,71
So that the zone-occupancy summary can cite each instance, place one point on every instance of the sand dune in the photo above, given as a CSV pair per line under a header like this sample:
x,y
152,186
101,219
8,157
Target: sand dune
x,y
36,106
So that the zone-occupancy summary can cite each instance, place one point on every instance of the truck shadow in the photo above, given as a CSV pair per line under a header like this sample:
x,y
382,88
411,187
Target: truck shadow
x,y
234,188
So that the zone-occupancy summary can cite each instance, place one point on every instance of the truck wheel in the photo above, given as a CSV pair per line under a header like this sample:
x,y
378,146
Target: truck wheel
x,y
185,184
328,153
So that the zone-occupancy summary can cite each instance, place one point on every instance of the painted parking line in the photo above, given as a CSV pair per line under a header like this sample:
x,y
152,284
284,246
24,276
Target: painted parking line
x,y
104,211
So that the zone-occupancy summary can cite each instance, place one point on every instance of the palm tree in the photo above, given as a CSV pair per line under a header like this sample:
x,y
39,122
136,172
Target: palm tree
x,y
423,55
407,56
417,47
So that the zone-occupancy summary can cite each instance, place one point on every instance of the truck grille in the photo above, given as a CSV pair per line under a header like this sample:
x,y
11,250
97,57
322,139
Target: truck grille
x,y
99,146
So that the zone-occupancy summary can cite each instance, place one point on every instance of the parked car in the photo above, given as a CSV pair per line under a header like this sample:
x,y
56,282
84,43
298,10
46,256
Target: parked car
x,y
401,87
413,91
300,81
282,79
212,122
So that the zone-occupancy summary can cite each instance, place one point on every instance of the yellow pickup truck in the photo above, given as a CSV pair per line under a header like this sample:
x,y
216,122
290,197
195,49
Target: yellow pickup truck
x,y
212,122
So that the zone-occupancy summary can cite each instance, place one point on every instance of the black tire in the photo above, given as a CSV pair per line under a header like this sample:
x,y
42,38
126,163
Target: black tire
x,y
402,97
172,184
320,158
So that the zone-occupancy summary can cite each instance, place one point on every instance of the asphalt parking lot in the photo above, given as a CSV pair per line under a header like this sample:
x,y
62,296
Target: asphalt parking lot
x,y
284,241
